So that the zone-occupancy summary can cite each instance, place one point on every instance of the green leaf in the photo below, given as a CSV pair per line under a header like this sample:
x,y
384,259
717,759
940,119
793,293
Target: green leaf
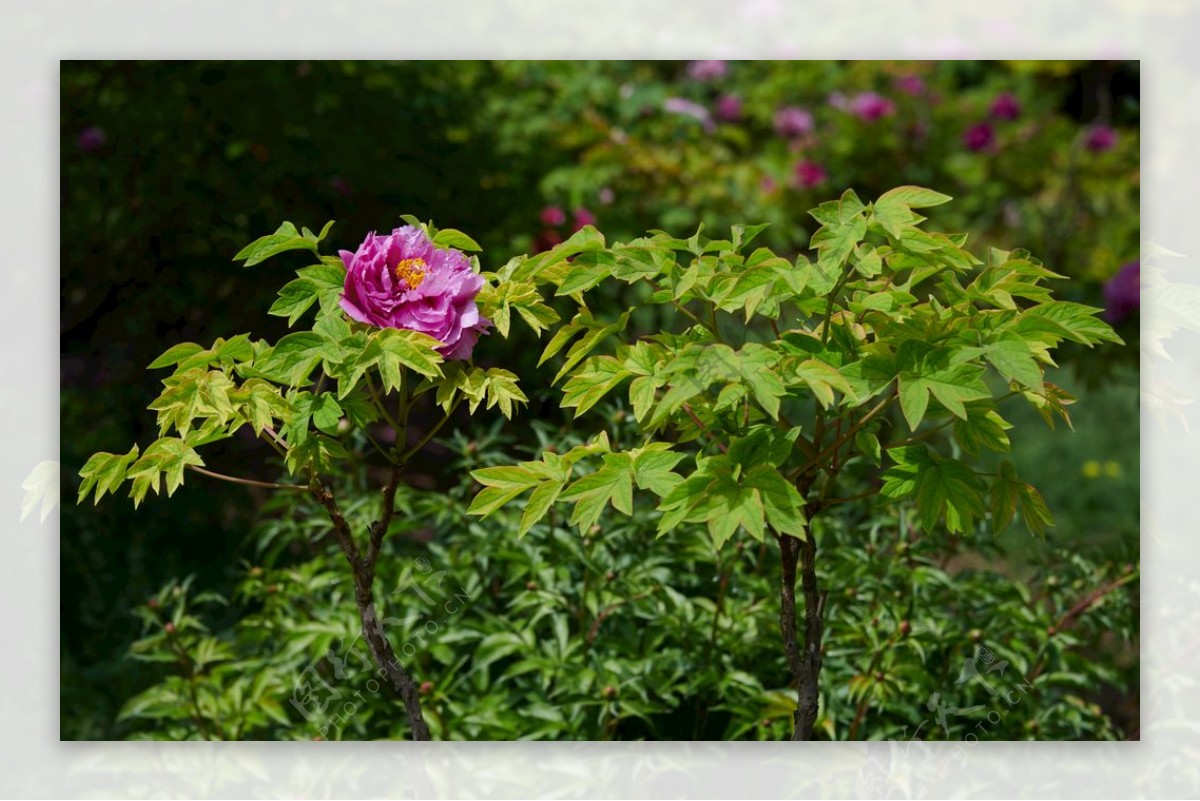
x,y
538,504
652,468
293,358
936,373
1063,319
1010,493
176,354
823,379
450,238
783,504
914,197
592,382
295,298
982,430
411,349
612,483
104,472
949,489
502,391
166,457
285,238
1013,359
868,443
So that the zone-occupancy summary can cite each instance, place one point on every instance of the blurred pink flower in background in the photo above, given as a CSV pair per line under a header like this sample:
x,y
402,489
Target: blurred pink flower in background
x,y
606,195
1101,138
793,121
979,137
729,108
809,174
707,70
553,215
1123,293
871,106
688,108
91,139
910,84
583,217
768,185
1006,107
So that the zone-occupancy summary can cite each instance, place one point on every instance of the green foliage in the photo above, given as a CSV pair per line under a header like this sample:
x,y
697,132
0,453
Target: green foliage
x,y
524,639
888,315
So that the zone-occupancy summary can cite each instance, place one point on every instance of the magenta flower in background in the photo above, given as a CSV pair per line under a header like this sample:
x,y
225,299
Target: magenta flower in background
x,y
606,195
91,139
729,108
402,280
793,121
553,215
688,108
707,70
546,240
1101,138
583,217
979,137
871,106
1006,107
910,85
838,100
768,185
809,174
1122,293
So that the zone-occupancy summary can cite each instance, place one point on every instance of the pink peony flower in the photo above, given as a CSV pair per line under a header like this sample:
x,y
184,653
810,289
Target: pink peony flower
x,y
1006,106
402,280
979,137
1101,138
553,215
707,70
729,108
809,174
869,106
793,121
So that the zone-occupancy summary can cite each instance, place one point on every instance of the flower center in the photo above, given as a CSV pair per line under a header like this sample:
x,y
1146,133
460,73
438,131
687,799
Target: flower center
x,y
412,272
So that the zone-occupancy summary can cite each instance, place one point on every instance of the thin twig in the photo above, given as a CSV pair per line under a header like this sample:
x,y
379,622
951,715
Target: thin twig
x,y
249,482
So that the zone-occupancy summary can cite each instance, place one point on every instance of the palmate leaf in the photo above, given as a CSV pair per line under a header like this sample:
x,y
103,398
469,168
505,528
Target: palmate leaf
x,y
941,487
937,374
611,484
1013,358
589,384
285,238
323,282
1009,493
165,458
104,472
502,484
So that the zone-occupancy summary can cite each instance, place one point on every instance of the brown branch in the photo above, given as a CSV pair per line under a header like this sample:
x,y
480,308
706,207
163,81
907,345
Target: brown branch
x,y
1074,613
372,628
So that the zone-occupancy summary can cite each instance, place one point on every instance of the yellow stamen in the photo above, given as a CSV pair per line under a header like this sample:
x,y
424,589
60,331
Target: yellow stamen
x,y
412,272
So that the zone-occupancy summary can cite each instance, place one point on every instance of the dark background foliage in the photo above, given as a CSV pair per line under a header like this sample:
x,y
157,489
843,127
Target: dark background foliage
x,y
169,168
